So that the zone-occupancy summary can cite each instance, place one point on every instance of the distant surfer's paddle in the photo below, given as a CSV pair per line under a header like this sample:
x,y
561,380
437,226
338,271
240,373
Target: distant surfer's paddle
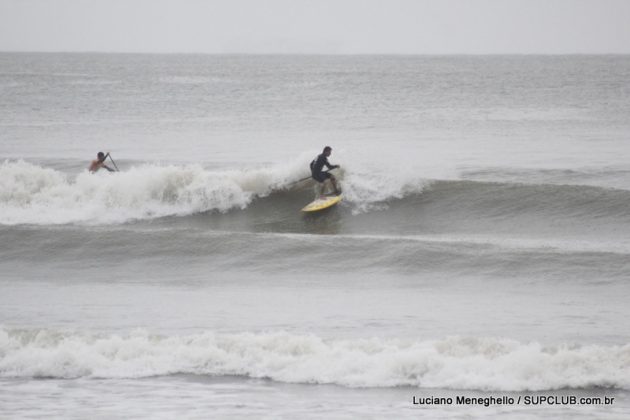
x,y
114,163
322,203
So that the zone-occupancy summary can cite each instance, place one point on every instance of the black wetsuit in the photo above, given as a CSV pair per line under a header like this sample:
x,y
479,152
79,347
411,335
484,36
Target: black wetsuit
x,y
317,165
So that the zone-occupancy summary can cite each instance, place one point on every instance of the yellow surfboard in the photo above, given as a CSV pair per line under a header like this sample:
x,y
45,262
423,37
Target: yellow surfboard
x,y
322,203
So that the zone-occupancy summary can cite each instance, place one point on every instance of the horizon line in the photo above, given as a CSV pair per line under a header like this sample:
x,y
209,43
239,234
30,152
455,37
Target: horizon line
x,y
319,53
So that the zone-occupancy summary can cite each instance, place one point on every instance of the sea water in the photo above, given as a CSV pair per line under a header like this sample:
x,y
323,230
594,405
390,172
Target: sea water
x,y
481,252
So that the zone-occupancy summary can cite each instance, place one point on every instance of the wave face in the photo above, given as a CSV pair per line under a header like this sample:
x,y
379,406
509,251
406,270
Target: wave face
x,y
455,363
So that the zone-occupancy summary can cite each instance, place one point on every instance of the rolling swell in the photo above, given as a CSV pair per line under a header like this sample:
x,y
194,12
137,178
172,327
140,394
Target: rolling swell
x,y
607,177
159,254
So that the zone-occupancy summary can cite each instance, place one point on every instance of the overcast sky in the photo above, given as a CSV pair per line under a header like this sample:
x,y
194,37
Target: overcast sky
x,y
317,26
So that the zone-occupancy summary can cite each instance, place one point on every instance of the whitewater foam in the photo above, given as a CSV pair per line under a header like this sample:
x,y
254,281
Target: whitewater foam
x,y
455,363
371,191
32,194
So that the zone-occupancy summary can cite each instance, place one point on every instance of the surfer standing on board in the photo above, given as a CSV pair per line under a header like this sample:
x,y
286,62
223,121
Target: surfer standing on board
x,y
100,163
321,176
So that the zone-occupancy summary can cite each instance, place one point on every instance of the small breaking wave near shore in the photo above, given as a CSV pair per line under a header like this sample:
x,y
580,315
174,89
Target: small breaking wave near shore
x,y
488,364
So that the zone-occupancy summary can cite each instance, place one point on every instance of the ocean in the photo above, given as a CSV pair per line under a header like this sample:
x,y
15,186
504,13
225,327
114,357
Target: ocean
x,y
479,264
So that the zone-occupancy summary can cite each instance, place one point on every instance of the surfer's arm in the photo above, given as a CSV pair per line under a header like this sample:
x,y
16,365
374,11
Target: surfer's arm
x,y
329,166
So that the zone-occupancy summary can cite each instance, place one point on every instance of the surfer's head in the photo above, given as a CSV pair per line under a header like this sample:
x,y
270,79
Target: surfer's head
x,y
100,156
327,151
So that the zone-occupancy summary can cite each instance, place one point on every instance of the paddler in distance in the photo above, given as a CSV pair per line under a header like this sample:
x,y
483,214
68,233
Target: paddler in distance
x,y
321,176
99,163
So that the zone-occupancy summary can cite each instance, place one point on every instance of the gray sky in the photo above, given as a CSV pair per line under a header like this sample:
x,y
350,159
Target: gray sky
x,y
317,26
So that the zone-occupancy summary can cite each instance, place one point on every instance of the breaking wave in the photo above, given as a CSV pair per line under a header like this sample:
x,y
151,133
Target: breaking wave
x,y
32,194
455,362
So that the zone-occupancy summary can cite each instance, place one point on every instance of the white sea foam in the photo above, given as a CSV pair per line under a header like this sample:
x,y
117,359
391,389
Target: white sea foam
x,y
32,194
456,362
37,195
370,190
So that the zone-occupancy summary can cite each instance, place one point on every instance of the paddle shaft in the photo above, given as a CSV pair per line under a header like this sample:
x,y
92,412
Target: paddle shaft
x,y
308,177
110,158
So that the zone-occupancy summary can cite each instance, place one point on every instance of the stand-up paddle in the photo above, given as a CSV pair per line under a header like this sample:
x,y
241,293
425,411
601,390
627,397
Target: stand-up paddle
x,y
303,179
114,163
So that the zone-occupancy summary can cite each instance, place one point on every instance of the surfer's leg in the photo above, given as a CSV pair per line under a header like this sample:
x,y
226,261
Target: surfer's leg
x,y
322,189
333,181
